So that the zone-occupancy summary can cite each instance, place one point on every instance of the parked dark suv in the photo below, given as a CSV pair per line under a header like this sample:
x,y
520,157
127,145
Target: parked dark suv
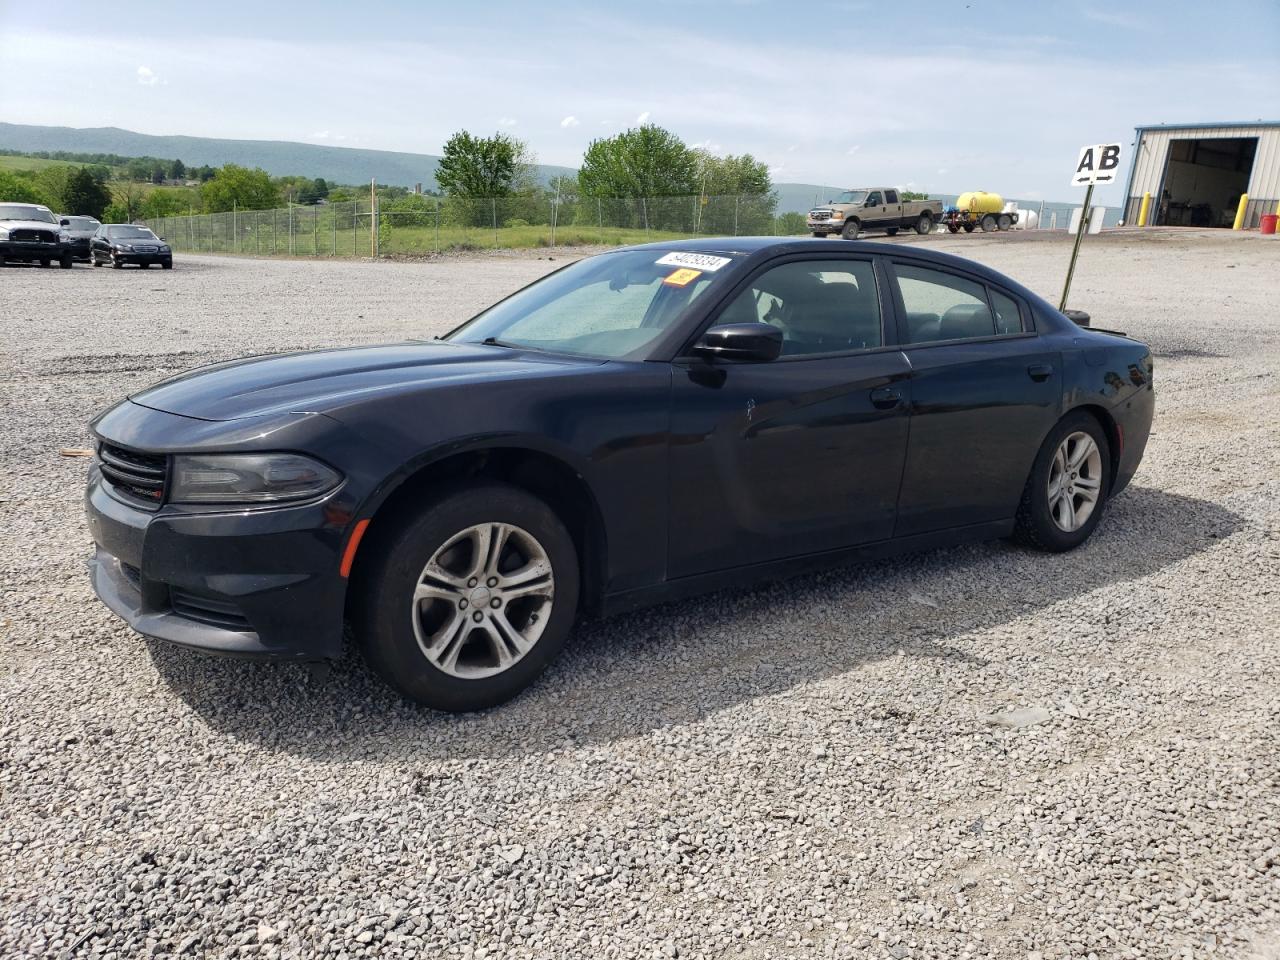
x,y
121,243
29,234
76,234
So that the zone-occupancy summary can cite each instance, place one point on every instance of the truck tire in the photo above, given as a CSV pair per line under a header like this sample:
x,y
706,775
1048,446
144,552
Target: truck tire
x,y
925,224
1005,221
988,224
819,234
968,228
891,231
851,230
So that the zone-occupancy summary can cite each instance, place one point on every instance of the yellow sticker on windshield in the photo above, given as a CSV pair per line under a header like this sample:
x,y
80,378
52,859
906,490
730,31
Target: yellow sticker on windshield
x,y
682,277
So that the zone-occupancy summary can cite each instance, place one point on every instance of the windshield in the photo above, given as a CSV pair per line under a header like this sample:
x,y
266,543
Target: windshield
x,y
83,223
614,305
130,233
850,196
20,211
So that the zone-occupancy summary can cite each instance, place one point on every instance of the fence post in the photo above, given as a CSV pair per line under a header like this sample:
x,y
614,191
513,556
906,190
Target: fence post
x,y
735,214
600,218
437,224
493,204
315,231
644,212
555,211
355,231
334,220
695,214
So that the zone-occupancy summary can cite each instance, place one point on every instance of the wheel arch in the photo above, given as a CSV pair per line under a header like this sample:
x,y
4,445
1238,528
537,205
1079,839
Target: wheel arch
x,y
541,473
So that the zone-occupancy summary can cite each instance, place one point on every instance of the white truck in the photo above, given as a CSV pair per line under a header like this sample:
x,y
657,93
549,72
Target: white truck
x,y
873,208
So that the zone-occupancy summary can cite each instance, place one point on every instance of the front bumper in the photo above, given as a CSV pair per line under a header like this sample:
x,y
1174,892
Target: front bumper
x,y
258,583
79,250
144,259
831,226
21,250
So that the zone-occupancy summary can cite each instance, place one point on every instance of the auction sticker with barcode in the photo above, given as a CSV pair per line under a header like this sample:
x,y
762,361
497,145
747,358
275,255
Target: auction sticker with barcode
x,y
699,261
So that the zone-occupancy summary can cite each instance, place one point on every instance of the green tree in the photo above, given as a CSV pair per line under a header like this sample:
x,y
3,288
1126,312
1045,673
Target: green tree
x,y
496,166
126,203
905,195
238,187
646,161
168,202
178,170
16,188
85,195
205,174
726,176
158,172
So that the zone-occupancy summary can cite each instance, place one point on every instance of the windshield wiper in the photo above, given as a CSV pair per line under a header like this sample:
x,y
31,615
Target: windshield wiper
x,y
495,342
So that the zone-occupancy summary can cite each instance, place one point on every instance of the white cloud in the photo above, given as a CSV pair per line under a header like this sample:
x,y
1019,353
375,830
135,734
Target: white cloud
x,y
709,146
569,121
506,121
941,171
852,150
1114,18
793,148
328,135
148,77
642,119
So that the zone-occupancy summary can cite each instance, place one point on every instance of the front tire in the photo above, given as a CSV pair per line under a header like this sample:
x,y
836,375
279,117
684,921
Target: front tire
x,y
1068,487
851,230
464,603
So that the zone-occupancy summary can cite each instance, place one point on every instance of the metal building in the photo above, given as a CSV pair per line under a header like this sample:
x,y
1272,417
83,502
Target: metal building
x,y
1196,173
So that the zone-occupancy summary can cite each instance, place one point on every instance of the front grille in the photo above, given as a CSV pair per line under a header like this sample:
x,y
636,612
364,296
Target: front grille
x,y
219,613
27,235
132,574
139,477
820,214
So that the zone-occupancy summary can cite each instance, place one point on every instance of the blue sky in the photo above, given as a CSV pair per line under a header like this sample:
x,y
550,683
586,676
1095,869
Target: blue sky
x,y
941,96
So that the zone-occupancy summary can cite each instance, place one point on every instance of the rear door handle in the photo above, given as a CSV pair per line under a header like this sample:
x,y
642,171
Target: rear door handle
x,y
886,398
1039,372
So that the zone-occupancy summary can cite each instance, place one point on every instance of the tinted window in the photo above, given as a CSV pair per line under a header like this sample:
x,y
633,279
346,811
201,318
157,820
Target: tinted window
x,y
82,223
821,306
942,306
117,232
891,196
22,211
1008,319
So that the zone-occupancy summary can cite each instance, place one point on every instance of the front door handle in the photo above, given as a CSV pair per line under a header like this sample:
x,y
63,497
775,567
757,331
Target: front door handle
x,y
886,398
1040,372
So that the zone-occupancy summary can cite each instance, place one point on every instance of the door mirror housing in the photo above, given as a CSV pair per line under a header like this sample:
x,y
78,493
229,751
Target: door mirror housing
x,y
741,342
64,222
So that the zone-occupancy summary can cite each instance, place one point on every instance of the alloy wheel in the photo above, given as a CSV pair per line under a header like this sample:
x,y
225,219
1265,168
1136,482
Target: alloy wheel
x,y
1075,481
483,600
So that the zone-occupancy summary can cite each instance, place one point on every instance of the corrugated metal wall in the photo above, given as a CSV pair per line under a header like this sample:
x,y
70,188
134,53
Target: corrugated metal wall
x,y
1153,156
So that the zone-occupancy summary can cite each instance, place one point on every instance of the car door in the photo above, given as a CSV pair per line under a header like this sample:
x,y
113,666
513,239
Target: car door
x,y
874,212
97,243
985,390
892,207
801,454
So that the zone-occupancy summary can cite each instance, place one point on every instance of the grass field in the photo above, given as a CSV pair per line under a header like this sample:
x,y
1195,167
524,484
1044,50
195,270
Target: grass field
x,y
33,163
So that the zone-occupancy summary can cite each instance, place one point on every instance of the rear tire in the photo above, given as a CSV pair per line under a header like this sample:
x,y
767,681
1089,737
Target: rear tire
x,y
473,641
891,231
66,262
820,235
988,224
851,230
968,228
925,225
45,261
1005,221
1044,520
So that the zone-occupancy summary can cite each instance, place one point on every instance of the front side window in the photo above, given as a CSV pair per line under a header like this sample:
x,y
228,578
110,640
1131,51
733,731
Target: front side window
x,y
942,306
874,200
821,306
615,305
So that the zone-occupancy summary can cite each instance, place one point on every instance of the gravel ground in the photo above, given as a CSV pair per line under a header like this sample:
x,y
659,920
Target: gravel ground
x,y
977,752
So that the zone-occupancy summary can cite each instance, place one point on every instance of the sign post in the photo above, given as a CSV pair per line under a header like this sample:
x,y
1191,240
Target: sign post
x,y
1096,164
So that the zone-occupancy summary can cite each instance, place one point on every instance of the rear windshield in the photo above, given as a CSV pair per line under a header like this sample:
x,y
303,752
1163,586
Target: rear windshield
x,y
83,223
20,211
130,233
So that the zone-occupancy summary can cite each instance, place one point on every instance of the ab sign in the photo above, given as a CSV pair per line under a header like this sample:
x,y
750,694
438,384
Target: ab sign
x,y
1099,163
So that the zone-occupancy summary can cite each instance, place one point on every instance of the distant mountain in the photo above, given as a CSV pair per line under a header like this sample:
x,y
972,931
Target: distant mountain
x,y
277,157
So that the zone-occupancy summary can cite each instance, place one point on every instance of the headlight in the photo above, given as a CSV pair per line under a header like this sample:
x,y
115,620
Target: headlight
x,y
124,247
64,237
249,478
4,233
164,248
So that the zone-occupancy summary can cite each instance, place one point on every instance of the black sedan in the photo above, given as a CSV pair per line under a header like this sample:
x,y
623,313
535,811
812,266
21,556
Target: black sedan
x,y
650,423
76,233
118,244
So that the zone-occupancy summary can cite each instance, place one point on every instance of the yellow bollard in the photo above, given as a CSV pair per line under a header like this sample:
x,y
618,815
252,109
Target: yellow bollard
x,y
1146,208
1244,202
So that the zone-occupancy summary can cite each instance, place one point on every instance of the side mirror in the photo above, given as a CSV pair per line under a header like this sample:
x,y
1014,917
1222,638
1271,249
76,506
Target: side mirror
x,y
64,222
743,342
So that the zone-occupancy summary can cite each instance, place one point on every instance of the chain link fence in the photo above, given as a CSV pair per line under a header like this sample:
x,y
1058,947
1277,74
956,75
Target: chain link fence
x,y
423,225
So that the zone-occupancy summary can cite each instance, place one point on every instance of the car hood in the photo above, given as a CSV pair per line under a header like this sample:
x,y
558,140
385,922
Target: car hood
x,y
321,381
27,225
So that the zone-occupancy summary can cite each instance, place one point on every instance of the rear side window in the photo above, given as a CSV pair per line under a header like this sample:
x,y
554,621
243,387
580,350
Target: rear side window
x,y
821,306
891,196
1008,319
942,306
